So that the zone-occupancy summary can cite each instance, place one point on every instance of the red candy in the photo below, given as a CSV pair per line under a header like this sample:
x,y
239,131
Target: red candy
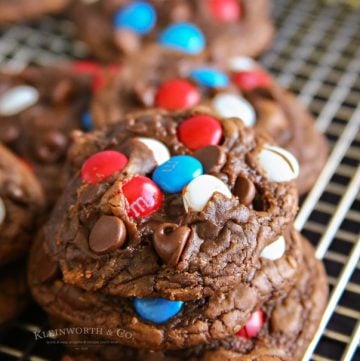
x,y
177,94
143,195
225,10
250,80
253,325
99,73
102,165
199,131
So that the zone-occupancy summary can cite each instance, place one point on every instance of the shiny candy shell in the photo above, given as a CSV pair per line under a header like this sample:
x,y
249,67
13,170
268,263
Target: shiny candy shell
x,y
102,165
200,190
209,77
177,94
86,121
138,16
230,105
18,99
225,10
177,172
143,196
2,211
253,325
160,151
199,131
184,37
250,80
278,164
157,310
242,63
274,250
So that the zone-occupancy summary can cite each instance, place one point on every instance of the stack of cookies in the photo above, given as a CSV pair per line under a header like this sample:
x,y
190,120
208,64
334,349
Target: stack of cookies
x,y
160,187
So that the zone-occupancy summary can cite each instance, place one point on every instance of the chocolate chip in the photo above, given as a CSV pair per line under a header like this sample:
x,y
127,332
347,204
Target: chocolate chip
x,y
169,242
212,158
245,190
53,146
47,267
127,41
108,234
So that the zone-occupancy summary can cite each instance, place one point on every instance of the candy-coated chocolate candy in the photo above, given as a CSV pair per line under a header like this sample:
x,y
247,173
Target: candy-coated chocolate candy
x,y
86,121
2,211
157,310
138,16
108,234
253,79
177,172
102,165
225,10
242,63
18,99
200,190
85,67
177,94
278,164
209,77
253,325
143,196
274,250
199,131
159,150
184,37
230,105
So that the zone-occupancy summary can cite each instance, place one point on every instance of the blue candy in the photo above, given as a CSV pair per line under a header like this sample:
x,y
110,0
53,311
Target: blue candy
x,y
173,175
157,310
86,121
211,78
184,37
139,16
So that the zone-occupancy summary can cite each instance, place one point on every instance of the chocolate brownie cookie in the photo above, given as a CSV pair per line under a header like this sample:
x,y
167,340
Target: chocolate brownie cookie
x,y
242,89
280,331
39,108
21,204
13,292
212,239
196,322
214,27
14,11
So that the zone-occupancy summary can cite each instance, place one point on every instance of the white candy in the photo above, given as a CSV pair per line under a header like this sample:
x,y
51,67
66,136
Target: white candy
x,y
159,150
274,250
242,63
2,211
199,191
278,164
230,105
17,99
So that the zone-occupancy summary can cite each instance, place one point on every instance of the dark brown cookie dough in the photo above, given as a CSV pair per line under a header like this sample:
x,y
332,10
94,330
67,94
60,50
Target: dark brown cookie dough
x,y
199,322
14,292
242,88
215,247
290,323
247,20
18,11
21,205
39,108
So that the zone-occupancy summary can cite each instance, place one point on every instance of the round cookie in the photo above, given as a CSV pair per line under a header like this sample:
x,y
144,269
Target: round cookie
x,y
213,27
16,11
21,204
286,328
204,218
242,89
39,108
14,292
197,322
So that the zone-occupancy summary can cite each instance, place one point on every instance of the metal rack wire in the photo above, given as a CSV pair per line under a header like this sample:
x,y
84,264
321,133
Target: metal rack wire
x,y
317,55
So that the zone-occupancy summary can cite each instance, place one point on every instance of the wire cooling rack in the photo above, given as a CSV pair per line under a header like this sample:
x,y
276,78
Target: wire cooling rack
x,y
317,55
